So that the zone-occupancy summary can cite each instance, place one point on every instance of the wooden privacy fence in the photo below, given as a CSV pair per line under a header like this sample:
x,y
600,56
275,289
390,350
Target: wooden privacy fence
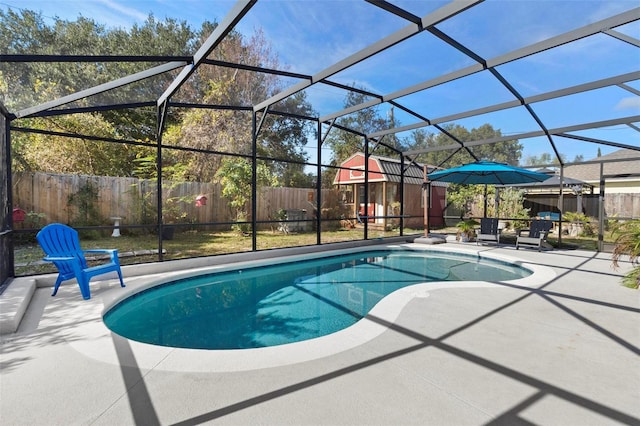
x,y
270,200
622,205
65,198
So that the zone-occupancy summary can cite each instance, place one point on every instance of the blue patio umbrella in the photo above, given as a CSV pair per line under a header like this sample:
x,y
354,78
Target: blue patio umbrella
x,y
487,173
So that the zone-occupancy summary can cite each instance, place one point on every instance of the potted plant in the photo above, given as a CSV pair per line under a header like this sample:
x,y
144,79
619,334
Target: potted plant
x,y
466,230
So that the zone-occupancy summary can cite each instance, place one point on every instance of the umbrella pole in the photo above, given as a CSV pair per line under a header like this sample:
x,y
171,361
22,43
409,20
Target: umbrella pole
x,y
426,188
485,201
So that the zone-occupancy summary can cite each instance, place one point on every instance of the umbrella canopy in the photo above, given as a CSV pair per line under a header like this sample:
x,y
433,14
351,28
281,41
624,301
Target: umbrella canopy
x,y
489,173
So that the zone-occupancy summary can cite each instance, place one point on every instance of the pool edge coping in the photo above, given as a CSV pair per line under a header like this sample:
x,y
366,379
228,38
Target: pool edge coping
x,y
94,340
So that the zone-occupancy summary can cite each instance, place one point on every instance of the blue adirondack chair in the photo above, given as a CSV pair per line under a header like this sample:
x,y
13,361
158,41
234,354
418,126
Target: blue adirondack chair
x,y
61,245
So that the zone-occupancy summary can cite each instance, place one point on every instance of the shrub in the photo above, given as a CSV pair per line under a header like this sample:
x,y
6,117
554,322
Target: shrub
x,y
627,243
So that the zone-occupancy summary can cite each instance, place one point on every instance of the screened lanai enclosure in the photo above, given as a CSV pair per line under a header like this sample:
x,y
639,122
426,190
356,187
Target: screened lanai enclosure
x,y
221,129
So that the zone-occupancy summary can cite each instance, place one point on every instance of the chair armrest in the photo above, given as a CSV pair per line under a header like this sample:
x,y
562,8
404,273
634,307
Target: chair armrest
x,y
58,258
100,251
113,253
520,231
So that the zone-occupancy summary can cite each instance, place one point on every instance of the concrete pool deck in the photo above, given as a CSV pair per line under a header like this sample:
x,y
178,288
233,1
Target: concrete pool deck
x,y
559,348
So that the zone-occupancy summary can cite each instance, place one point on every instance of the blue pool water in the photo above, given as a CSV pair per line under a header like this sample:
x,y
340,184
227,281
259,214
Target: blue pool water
x,y
287,302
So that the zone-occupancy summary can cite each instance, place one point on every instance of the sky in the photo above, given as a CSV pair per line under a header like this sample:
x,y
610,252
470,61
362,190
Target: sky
x,y
310,35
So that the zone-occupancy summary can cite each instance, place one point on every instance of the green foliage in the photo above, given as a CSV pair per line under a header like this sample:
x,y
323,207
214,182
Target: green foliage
x,y
29,84
32,220
467,226
27,32
344,144
84,206
575,217
173,210
38,152
467,229
83,210
281,137
585,225
462,197
241,227
235,175
504,152
628,245
280,214
512,207
332,210
544,159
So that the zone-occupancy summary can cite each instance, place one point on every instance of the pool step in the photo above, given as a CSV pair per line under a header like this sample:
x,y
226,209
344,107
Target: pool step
x,y
14,301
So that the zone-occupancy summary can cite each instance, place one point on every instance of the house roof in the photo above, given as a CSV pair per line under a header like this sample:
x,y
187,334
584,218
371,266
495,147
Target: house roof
x,y
553,182
414,173
391,169
625,168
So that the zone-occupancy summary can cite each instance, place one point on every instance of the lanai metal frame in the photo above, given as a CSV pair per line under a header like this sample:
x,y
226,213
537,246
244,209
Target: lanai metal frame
x,y
327,122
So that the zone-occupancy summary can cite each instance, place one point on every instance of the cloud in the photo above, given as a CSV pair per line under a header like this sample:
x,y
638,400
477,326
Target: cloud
x,y
120,9
629,103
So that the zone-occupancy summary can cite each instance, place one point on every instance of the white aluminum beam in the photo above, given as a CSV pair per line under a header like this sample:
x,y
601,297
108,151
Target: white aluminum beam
x,y
623,37
560,131
598,141
151,72
591,29
577,34
431,19
629,89
598,84
233,17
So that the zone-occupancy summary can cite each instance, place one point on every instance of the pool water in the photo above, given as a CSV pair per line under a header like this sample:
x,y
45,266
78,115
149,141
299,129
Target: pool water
x,y
287,302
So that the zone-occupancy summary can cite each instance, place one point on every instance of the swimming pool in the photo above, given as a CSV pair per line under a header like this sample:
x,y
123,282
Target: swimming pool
x,y
287,302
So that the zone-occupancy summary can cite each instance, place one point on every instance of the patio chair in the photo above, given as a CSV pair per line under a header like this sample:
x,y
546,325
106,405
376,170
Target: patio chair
x,y
61,245
537,234
489,230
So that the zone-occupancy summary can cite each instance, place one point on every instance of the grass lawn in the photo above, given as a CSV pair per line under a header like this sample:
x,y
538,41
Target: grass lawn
x,y
143,248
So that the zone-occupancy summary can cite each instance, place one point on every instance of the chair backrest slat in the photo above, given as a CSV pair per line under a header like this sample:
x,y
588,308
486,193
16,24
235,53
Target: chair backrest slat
x,y
539,226
489,226
60,240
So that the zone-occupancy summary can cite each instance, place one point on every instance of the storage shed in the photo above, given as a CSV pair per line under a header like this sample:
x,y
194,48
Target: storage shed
x,y
383,206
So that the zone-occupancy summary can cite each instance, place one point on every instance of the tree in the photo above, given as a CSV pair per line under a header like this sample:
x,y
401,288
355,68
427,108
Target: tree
x,y
281,137
37,152
462,197
544,159
505,152
27,33
344,144
35,83
235,176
